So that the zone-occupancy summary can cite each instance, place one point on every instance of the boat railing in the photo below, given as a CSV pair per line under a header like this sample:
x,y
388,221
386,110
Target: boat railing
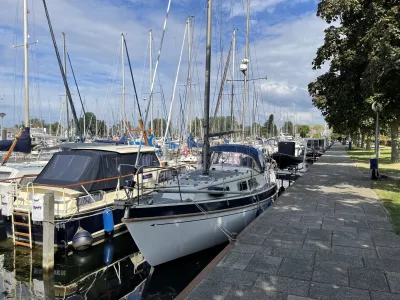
x,y
11,191
62,205
141,188
63,202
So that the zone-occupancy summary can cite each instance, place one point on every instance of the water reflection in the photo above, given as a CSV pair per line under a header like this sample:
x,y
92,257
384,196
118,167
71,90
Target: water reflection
x,y
112,270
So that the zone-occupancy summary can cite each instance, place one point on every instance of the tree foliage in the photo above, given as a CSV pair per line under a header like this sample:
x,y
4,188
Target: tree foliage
x,y
288,127
362,47
269,128
303,130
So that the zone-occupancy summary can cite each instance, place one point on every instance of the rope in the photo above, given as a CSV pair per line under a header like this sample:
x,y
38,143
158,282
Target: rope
x,y
61,70
175,83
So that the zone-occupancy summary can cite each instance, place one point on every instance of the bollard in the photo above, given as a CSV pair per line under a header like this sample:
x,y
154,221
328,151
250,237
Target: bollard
x,y
48,232
373,169
48,284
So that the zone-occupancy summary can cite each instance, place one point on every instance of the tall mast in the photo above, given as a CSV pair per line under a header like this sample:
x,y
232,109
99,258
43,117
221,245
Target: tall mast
x,y
189,79
294,117
65,72
96,119
84,118
26,78
206,144
151,77
233,76
123,113
245,61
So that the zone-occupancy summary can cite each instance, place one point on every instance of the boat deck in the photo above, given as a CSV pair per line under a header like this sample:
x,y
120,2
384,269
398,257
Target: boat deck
x,y
327,237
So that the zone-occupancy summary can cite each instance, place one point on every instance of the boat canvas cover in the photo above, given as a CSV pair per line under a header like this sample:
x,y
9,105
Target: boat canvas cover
x,y
121,141
24,143
72,167
247,150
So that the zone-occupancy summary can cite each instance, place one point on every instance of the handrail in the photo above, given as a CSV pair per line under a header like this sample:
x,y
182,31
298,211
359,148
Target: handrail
x,y
80,183
104,179
25,176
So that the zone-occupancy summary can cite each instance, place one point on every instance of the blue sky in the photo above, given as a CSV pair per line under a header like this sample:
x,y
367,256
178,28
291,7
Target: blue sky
x,y
284,37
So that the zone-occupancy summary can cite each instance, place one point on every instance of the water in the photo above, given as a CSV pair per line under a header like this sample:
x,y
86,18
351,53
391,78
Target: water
x,y
112,270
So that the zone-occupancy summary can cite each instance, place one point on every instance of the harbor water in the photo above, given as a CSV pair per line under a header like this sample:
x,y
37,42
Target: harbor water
x,y
111,270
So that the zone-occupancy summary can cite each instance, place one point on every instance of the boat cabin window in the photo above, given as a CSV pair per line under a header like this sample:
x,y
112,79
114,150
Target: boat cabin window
x,y
166,175
4,175
25,180
243,186
65,168
253,183
233,159
149,160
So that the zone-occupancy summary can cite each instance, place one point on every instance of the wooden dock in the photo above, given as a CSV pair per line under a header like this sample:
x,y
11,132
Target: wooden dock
x,y
327,237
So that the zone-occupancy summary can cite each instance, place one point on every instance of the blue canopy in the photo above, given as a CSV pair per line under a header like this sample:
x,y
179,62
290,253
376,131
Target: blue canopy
x,y
191,143
150,139
122,140
24,143
248,150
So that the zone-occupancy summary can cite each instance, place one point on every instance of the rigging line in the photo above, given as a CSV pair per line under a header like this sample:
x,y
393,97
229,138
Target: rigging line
x,y
15,40
61,70
112,79
157,62
77,88
175,83
133,80
36,68
222,82
161,88
144,67
142,127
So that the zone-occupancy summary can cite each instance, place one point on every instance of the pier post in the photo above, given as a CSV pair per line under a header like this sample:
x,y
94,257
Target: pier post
x,y
48,232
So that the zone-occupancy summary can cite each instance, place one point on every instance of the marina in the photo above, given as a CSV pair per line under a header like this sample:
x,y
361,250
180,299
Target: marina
x,y
327,237
186,152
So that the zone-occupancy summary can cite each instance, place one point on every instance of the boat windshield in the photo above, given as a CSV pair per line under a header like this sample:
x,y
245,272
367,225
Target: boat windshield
x,y
232,159
46,154
67,167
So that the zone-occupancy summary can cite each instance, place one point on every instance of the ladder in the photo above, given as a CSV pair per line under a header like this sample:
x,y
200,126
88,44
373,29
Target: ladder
x,y
23,213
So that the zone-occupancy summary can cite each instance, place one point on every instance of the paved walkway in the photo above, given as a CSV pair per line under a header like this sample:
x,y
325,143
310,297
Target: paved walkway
x,y
327,237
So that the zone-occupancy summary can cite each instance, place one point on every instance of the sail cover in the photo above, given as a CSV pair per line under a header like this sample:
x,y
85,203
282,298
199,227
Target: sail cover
x,y
24,143
68,169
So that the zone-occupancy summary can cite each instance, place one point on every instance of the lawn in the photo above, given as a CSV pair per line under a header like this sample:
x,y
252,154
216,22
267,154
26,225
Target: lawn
x,y
388,188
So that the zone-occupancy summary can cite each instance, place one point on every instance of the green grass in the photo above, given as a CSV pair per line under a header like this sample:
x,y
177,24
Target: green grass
x,y
387,189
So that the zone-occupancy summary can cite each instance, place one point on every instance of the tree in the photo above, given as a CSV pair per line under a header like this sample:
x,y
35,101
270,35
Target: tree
x,y
159,125
288,127
270,127
54,128
363,52
89,123
303,130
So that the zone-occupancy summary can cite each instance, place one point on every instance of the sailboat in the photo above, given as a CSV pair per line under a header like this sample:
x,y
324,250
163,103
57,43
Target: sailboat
x,y
202,208
23,139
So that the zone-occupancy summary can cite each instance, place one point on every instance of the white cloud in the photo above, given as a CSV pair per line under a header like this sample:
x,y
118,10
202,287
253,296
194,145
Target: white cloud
x,y
283,51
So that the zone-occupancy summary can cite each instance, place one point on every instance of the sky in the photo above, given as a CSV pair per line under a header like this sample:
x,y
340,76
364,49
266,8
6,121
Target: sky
x,y
283,39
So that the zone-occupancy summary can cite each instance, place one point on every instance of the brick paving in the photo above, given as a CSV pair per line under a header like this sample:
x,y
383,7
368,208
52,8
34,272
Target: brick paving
x,y
327,237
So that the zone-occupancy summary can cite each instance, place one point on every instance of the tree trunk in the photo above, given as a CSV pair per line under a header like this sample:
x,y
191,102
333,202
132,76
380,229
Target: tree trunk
x,y
368,146
395,157
362,139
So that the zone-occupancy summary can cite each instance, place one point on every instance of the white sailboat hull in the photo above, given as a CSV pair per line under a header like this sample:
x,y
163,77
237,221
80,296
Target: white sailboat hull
x,y
163,240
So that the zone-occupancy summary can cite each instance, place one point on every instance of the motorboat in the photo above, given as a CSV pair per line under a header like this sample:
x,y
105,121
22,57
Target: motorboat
x,y
85,182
